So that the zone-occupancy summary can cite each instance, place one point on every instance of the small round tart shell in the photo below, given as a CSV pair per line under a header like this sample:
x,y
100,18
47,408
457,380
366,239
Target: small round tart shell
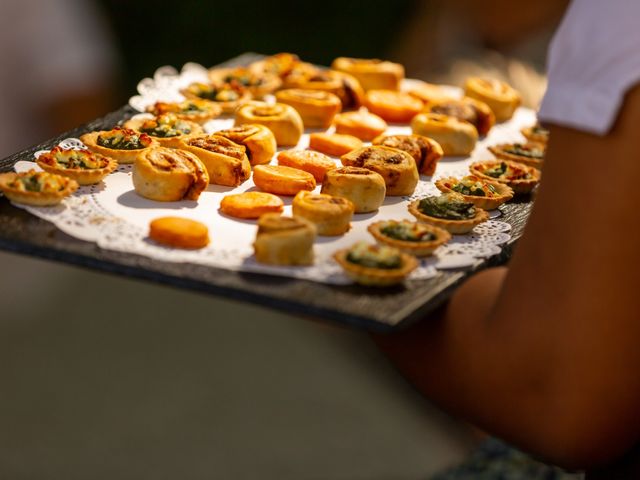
x,y
122,156
531,136
84,176
417,249
522,186
170,142
40,199
499,151
376,277
456,227
505,193
208,110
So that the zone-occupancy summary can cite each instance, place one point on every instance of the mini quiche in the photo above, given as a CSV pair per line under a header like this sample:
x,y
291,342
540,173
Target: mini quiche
x,y
521,178
482,193
258,84
122,144
228,96
84,166
537,134
418,239
449,211
167,129
530,153
375,265
41,189
196,110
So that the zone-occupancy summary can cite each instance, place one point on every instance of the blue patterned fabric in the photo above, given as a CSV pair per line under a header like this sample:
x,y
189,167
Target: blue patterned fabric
x,y
495,460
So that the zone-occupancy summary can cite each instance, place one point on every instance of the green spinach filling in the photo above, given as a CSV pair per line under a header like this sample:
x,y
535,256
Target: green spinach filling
x,y
447,208
407,232
119,141
525,151
375,256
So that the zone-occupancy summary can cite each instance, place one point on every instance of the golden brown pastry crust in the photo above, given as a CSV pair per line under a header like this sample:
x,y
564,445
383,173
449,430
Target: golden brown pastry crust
x,y
54,188
520,177
225,161
257,83
430,93
536,134
334,144
363,187
316,163
169,175
418,248
361,124
283,120
101,165
371,73
196,110
331,215
316,108
179,232
503,194
280,64
500,96
425,151
454,136
228,96
343,85
397,168
456,227
91,140
376,277
467,109
259,141
393,106
145,125
284,240
282,180
509,151
251,204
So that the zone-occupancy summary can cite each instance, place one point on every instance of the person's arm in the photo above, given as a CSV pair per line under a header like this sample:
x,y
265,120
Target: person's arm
x,y
547,354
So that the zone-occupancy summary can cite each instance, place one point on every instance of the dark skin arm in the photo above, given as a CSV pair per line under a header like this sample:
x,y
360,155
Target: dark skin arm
x,y
546,354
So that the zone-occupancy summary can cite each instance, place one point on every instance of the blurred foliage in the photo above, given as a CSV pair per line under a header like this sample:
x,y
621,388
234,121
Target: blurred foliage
x,y
151,34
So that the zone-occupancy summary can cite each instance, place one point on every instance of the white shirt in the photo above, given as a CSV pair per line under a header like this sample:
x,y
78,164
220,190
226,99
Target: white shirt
x,y
594,59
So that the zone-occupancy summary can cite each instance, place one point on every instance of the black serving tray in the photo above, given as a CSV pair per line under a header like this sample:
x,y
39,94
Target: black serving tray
x,y
355,306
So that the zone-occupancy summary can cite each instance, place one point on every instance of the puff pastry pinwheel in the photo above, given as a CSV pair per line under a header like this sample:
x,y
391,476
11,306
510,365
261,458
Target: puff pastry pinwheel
x,y
449,211
371,73
331,215
363,187
468,109
334,144
500,96
397,168
456,137
530,153
169,175
521,178
228,95
257,83
375,265
280,64
414,238
485,194
194,109
425,151
167,129
284,240
316,163
179,232
41,189
225,161
258,140
343,85
361,124
282,180
393,106
82,165
121,144
283,120
430,93
317,108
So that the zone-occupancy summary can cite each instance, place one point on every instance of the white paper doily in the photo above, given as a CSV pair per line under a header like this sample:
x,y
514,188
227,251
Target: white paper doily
x,y
116,218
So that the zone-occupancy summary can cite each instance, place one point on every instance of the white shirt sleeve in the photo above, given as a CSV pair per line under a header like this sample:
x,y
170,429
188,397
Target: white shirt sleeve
x,y
594,59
